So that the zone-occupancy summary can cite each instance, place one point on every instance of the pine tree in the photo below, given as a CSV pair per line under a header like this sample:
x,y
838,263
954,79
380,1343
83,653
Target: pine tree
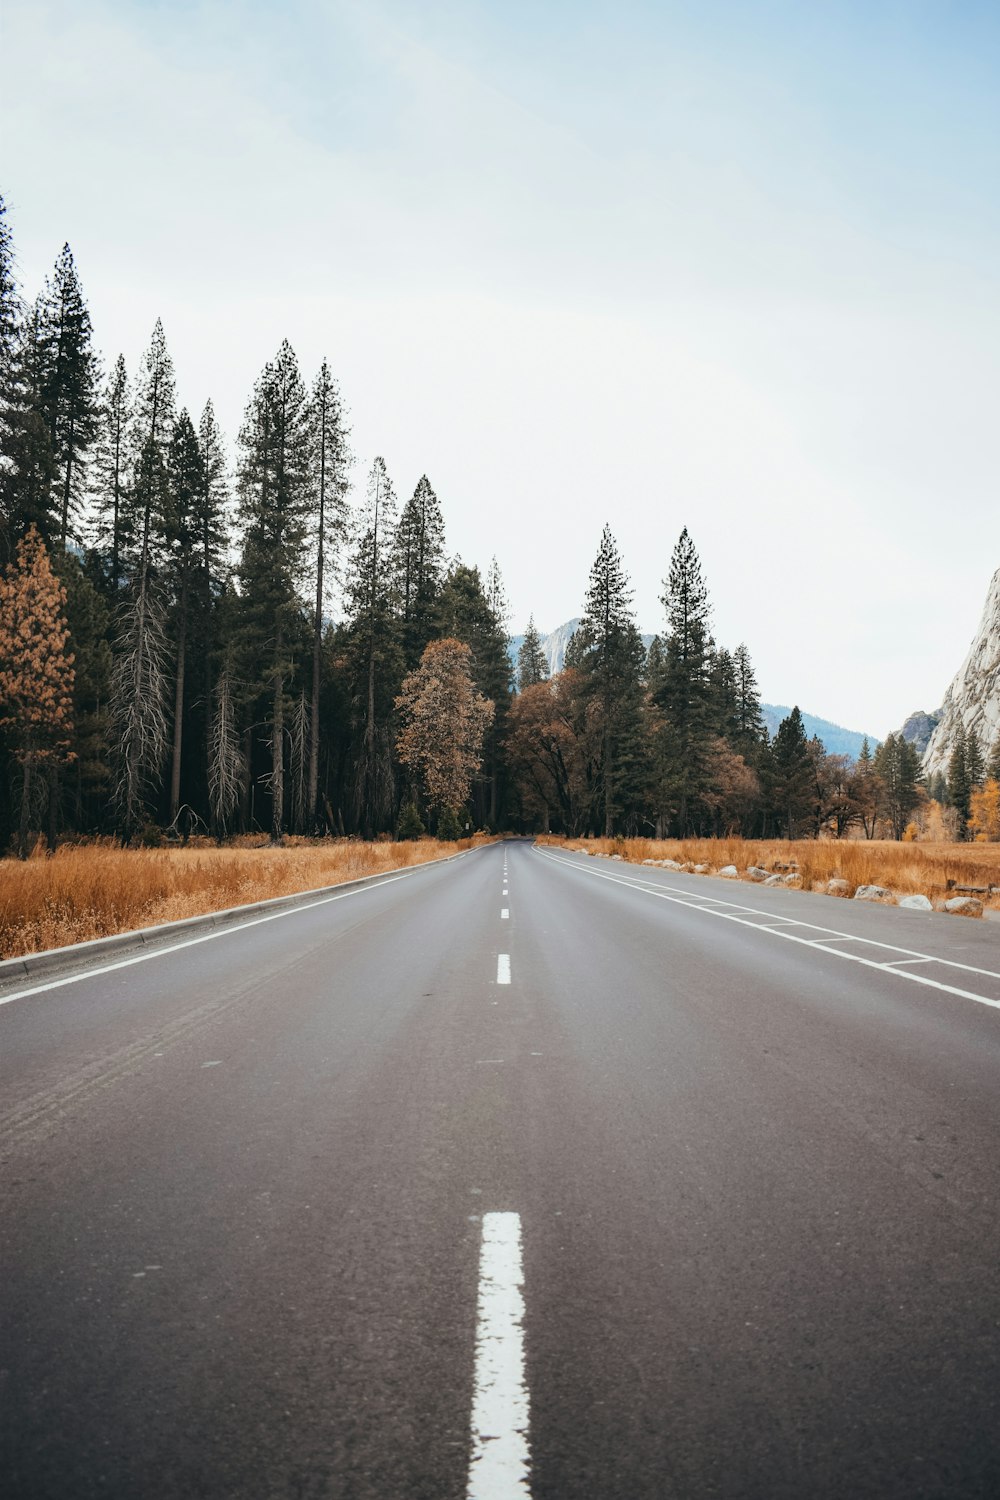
x,y
792,773
371,591
154,416
611,659
10,322
330,462
185,486
898,765
867,789
213,523
959,782
27,460
749,718
993,765
420,548
532,666
139,714
684,694
723,693
89,623
36,670
110,473
275,501
70,399
475,613
10,298
975,761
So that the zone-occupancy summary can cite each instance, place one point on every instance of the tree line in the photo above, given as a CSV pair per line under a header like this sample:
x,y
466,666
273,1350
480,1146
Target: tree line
x,y
170,660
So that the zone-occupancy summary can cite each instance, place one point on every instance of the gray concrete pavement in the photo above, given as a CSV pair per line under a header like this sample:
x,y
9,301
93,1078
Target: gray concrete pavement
x,y
758,1184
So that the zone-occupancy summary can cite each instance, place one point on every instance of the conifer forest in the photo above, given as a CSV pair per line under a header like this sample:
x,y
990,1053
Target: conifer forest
x,y
223,633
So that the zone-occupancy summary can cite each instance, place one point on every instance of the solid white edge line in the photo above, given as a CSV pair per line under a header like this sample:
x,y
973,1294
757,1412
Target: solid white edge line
x,y
823,947
503,968
500,1458
230,927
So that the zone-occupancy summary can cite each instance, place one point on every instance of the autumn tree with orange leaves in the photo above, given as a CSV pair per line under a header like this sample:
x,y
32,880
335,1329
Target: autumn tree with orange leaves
x,y
36,671
443,724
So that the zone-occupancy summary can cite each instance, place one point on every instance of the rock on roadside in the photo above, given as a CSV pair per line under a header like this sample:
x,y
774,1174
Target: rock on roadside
x,y
872,893
916,903
964,906
837,887
729,872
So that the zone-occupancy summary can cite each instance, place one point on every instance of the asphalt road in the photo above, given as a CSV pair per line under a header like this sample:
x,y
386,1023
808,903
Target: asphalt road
x,y
756,1175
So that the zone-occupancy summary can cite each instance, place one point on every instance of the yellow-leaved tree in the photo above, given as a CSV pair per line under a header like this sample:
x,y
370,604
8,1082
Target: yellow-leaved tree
x,y
443,722
36,670
984,812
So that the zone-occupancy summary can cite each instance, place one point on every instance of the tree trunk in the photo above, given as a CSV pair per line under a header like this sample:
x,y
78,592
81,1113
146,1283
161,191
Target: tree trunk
x,y
52,811
367,822
22,832
245,799
312,792
278,760
175,770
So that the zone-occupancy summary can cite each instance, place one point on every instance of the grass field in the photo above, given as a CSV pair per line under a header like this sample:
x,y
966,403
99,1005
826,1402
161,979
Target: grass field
x,y
905,869
92,890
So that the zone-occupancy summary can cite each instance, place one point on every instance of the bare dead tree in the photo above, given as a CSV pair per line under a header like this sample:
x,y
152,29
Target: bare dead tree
x,y
138,723
226,766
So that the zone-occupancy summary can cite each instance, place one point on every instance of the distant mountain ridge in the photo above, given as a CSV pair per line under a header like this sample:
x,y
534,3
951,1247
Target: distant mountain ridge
x,y
837,739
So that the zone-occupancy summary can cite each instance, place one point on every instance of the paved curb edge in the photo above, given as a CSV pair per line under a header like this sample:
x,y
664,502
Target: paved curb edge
x,y
53,960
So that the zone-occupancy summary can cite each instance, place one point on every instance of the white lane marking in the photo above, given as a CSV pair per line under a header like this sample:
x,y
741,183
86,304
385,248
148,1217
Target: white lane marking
x,y
498,1467
206,937
678,896
503,968
504,913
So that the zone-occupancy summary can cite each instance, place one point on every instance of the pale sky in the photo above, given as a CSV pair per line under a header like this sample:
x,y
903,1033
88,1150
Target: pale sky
x,y
733,265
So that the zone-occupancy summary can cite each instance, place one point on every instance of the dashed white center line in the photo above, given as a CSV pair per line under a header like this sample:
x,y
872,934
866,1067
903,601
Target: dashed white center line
x,y
503,968
504,913
498,1468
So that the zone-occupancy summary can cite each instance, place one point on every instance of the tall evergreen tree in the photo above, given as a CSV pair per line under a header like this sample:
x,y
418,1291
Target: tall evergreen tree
x,y
993,764
10,297
330,462
420,561
532,666
959,781
684,693
474,612
749,719
792,774
898,765
70,398
275,502
27,459
10,321
139,714
110,474
611,659
185,487
371,590
723,693
975,761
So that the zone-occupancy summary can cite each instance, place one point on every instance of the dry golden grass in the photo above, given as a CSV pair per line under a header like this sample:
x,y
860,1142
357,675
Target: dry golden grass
x,y
92,890
905,869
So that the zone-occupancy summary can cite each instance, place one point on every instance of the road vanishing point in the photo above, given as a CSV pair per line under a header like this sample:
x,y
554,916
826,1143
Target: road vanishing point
x,y
522,1175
